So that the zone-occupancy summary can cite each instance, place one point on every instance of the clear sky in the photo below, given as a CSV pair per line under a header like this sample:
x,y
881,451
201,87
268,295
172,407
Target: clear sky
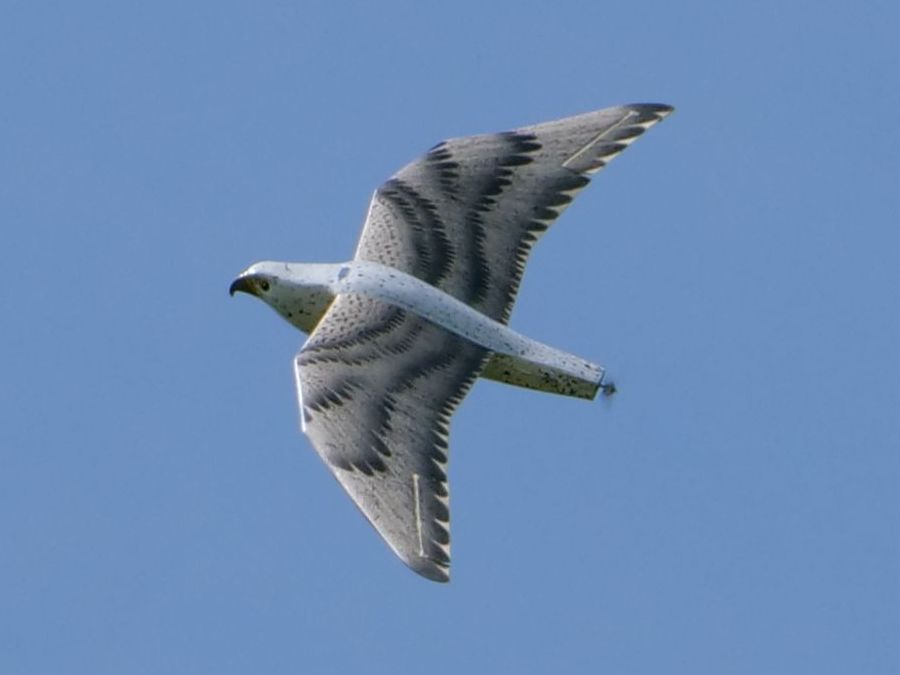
x,y
734,508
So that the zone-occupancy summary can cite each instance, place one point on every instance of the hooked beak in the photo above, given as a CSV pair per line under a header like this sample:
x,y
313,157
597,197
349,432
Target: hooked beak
x,y
243,284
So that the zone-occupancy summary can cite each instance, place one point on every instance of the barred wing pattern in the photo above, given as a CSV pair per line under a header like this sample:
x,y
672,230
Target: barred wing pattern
x,y
465,216
377,388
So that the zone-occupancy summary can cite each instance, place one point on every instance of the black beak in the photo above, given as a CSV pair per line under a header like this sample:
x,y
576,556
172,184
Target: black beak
x,y
241,284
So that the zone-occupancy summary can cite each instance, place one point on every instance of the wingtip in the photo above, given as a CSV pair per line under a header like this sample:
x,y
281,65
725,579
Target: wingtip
x,y
657,110
431,570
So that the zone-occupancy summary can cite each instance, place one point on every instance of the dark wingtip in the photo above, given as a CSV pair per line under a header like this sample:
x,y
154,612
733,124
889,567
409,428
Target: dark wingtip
x,y
658,110
430,569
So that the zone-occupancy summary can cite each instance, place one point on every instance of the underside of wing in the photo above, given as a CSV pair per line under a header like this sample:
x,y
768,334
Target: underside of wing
x,y
465,216
377,387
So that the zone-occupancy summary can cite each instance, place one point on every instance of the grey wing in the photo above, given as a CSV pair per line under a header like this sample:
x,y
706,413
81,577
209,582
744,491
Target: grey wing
x,y
377,388
465,216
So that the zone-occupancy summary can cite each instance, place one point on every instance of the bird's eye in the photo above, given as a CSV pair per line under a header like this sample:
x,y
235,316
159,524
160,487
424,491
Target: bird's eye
x,y
264,285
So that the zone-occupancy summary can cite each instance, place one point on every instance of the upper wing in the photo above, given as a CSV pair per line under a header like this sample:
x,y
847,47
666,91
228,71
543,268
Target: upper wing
x,y
465,215
377,387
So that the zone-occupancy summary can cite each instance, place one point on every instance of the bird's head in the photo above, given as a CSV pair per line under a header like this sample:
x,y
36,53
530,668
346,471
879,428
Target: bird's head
x,y
298,292
253,282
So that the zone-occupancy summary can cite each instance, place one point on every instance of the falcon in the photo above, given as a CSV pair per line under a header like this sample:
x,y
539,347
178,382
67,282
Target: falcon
x,y
399,334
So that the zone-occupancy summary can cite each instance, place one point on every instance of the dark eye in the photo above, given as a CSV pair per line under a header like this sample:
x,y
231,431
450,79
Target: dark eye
x,y
264,285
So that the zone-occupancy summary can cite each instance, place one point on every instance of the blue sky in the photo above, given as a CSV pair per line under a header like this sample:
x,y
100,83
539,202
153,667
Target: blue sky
x,y
734,509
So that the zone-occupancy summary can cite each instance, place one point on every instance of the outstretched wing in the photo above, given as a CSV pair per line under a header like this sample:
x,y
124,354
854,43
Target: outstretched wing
x,y
465,215
377,386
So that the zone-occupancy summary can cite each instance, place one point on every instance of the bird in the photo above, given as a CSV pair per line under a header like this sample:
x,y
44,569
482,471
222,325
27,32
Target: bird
x,y
398,335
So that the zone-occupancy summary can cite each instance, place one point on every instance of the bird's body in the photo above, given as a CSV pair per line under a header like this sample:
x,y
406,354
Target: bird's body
x,y
294,286
400,333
